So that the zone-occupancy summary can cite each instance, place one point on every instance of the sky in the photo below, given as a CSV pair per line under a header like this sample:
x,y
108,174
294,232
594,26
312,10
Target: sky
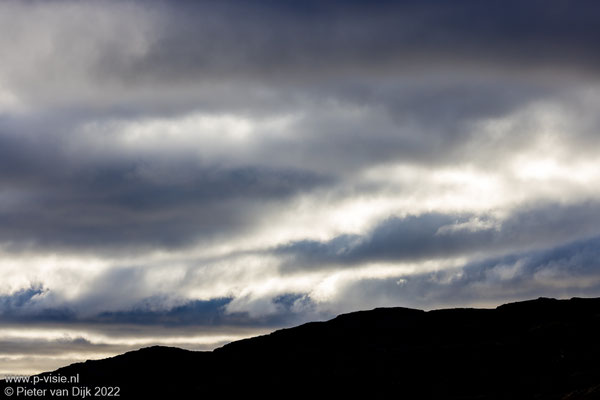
x,y
191,173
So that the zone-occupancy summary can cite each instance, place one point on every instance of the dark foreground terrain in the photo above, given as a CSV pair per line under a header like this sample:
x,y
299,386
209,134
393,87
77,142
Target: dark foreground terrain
x,y
539,349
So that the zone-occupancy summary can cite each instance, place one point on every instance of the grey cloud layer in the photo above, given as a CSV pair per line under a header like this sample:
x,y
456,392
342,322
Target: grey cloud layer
x,y
28,307
153,50
315,40
372,83
116,208
565,271
54,197
64,187
435,235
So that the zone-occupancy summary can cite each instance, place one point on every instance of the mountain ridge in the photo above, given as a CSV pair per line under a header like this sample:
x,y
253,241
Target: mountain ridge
x,y
543,349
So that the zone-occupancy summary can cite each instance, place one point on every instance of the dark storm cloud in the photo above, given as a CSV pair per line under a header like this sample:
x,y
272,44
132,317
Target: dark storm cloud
x,y
114,208
284,58
449,101
19,299
435,235
95,198
407,120
168,50
565,271
49,199
21,307
281,40
207,313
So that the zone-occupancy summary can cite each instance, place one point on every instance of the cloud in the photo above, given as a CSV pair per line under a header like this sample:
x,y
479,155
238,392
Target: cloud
x,y
227,165
19,298
435,236
125,55
276,286
161,311
559,271
564,271
132,202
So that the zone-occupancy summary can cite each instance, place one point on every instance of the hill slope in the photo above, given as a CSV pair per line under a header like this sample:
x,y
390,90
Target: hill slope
x,y
538,349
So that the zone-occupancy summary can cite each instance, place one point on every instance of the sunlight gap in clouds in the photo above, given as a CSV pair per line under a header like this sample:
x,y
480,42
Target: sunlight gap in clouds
x,y
35,334
49,270
43,348
212,137
330,284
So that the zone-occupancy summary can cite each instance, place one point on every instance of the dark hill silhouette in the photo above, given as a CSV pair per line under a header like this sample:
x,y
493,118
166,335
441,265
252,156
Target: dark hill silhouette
x,y
538,349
